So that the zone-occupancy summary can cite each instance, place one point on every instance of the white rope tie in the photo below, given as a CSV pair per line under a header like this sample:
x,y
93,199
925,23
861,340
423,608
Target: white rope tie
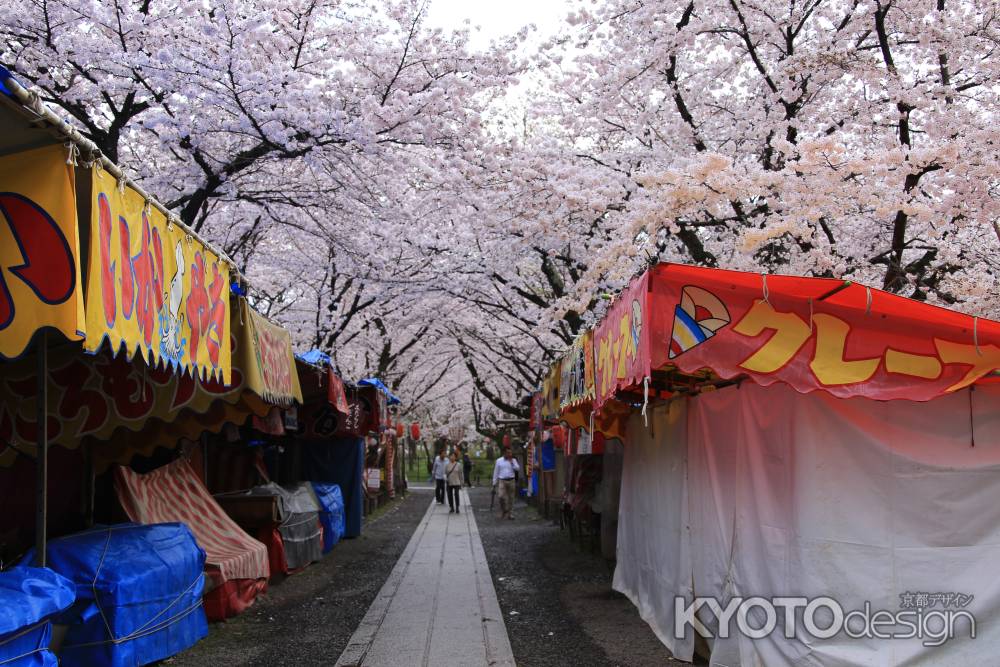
x,y
767,294
121,184
72,152
975,334
645,399
810,315
868,300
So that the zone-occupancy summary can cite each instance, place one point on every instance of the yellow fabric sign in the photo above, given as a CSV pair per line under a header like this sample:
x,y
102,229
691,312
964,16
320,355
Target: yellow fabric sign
x,y
39,249
152,288
273,377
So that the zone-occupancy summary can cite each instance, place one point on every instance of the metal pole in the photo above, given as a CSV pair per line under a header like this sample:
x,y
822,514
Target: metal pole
x,y
42,456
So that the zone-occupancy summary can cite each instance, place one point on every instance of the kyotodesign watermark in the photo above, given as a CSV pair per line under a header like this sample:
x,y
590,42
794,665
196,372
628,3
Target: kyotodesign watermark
x,y
932,618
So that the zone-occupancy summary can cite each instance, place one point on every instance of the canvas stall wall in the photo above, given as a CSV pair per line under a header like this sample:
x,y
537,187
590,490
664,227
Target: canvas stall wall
x,y
765,491
654,559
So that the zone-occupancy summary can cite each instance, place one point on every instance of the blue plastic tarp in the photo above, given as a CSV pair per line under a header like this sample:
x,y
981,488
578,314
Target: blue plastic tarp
x,y
339,461
548,455
29,598
375,382
138,593
331,514
315,357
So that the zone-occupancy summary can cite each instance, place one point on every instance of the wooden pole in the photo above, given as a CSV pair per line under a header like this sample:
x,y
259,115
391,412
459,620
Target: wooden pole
x,y
42,455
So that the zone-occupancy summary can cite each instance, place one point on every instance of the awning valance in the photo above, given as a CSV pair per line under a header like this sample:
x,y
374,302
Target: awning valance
x,y
39,249
810,333
132,408
152,288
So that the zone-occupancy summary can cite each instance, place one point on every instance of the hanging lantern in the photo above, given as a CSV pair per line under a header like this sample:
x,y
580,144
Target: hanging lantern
x,y
415,431
400,430
506,440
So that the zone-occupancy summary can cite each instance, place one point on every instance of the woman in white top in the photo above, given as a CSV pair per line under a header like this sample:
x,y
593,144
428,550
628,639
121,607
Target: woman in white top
x,y
455,477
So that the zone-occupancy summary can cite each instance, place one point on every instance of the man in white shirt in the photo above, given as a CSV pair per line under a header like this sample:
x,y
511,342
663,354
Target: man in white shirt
x,y
438,473
504,472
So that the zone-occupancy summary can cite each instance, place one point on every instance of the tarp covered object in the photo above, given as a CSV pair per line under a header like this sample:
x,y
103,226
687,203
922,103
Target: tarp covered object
x,y
30,597
139,593
174,493
298,512
331,514
808,495
339,461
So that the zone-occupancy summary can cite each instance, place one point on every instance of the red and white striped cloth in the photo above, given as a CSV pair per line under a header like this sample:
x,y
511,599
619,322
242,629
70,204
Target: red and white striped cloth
x,y
174,493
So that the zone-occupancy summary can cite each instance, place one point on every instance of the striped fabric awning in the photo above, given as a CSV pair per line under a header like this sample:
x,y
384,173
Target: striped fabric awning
x,y
174,493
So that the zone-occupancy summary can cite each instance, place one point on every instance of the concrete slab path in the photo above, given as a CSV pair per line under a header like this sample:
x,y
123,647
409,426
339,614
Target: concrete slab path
x,y
438,606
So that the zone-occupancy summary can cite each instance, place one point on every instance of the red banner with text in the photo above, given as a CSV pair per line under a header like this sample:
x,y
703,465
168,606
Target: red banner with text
x,y
814,333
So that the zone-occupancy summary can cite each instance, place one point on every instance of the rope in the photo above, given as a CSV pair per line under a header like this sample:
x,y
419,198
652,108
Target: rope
x,y
767,294
972,421
7,661
975,334
868,300
22,632
72,151
810,315
143,631
645,400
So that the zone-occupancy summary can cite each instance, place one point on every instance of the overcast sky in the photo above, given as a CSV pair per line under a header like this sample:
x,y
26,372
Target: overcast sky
x,y
498,18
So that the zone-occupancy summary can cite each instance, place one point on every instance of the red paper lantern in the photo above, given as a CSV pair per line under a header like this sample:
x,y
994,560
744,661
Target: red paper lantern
x,y
415,431
506,440
399,430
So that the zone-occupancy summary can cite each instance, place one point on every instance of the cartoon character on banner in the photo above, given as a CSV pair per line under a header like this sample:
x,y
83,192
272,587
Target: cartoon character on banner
x,y
170,316
636,323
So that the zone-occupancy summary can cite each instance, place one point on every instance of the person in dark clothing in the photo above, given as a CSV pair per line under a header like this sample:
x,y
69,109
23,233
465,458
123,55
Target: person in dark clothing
x,y
438,473
467,468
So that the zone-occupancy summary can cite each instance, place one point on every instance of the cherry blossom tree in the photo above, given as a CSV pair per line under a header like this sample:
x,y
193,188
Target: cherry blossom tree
x,y
854,139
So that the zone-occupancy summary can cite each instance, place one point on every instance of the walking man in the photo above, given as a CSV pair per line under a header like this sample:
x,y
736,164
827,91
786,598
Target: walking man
x,y
504,474
439,474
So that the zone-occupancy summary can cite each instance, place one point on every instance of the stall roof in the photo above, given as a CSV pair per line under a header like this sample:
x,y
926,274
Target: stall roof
x,y
375,382
677,328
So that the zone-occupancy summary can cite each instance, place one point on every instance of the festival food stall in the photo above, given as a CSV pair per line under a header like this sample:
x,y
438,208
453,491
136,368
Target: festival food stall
x,y
790,436
86,356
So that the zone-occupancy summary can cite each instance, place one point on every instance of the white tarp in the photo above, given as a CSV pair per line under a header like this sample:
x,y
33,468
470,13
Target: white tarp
x,y
755,491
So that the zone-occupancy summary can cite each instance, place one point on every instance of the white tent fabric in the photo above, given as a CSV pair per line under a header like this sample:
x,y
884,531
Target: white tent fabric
x,y
654,558
755,491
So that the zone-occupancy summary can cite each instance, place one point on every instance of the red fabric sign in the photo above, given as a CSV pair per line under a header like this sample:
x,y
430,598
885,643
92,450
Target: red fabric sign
x,y
335,392
621,343
811,333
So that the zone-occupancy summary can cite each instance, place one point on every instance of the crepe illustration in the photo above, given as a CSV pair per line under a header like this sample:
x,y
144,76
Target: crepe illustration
x,y
698,316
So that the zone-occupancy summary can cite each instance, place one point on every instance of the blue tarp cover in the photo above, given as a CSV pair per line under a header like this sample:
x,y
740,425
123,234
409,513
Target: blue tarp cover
x,y
375,382
315,357
331,515
339,461
29,597
138,593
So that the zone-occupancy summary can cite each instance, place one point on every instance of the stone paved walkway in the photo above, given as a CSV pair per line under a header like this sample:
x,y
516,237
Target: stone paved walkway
x,y
438,606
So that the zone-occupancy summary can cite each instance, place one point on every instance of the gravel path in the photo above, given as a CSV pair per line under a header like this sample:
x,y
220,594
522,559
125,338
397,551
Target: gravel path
x,y
307,619
557,600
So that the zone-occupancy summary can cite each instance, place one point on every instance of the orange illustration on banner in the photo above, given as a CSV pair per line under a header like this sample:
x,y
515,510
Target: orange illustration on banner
x,y
153,288
274,377
39,249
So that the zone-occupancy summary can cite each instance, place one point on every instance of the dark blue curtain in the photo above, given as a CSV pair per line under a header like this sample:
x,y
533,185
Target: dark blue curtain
x,y
339,461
